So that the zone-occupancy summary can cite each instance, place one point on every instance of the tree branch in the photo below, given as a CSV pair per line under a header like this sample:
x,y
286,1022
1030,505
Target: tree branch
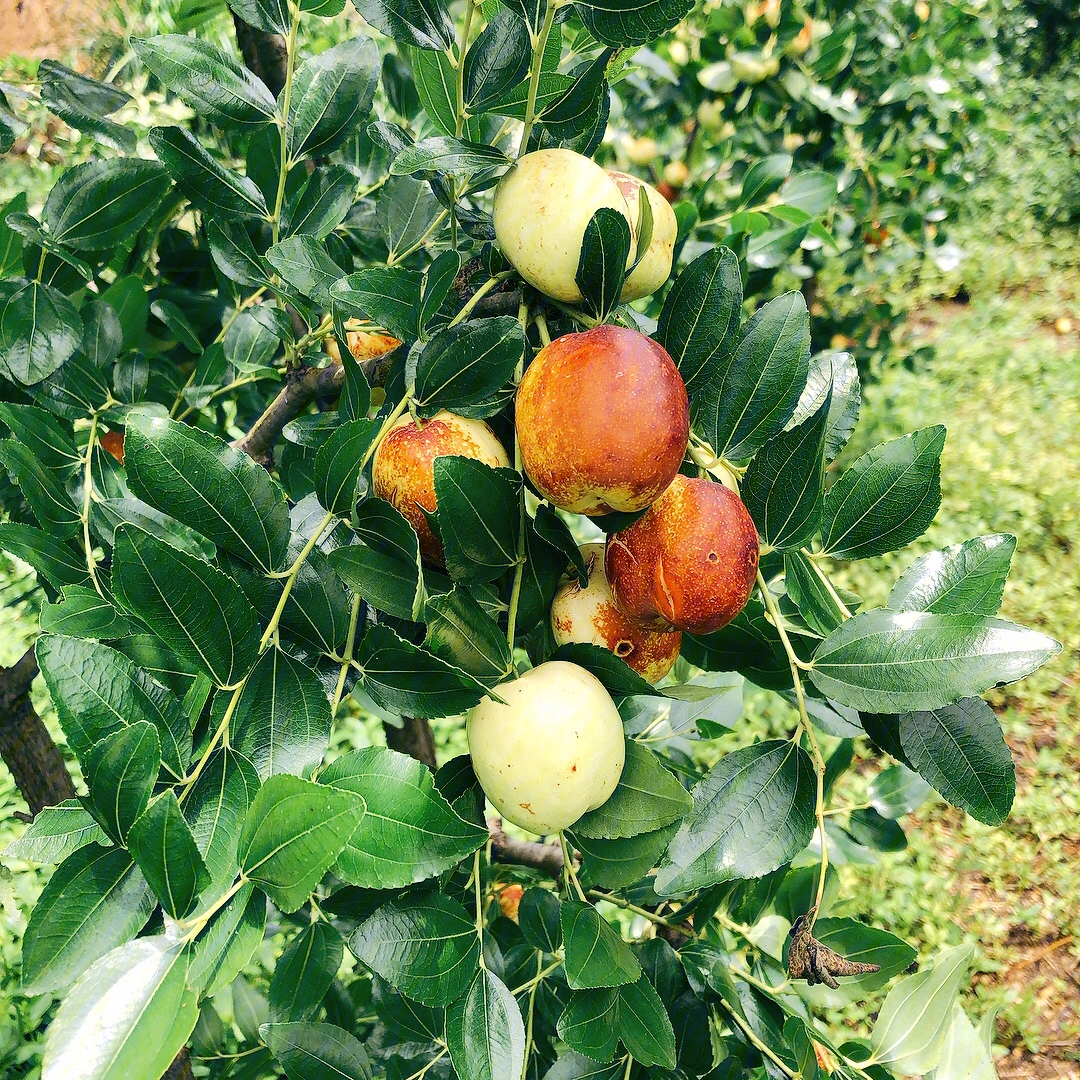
x,y
505,849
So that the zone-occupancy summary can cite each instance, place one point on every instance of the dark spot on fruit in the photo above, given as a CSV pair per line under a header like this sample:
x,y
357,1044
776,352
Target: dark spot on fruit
x,y
624,648
713,557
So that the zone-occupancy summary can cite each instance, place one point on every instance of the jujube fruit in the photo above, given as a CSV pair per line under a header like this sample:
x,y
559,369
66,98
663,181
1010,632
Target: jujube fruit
x,y
552,752
654,267
403,470
689,562
589,615
602,421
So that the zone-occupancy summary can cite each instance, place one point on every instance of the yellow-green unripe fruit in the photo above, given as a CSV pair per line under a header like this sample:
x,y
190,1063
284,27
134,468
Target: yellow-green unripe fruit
x,y
542,207
554,751
655,265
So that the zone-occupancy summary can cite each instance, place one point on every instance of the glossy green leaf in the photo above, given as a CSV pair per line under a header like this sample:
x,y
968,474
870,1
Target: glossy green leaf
x,y
764,379
539,919
425,947
120,771
302,261
53,507
304,972
209,485
95,900
497,61
463,368
234,254
386,572
967,577
816,603
785,482
55,833
959,750
575,1066
644,1026
699,327
588,1024
883,661
435,75
54,559
43,434
461,632
196,610
613,864
331,96
269,15
207,183
308,1051
39,330
323,203
478,518
647,798
595,953
749,644
423,23
613,671
128,1016
968,1052
293,833
909,1033
162,845
411,681
753,812
484,1031
885,499
215,807
602,263
213,83
444,153
229,940
897,791
338,463
389,296
834,373
409,833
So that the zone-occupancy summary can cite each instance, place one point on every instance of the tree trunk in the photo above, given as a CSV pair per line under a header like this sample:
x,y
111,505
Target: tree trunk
x,y
27,748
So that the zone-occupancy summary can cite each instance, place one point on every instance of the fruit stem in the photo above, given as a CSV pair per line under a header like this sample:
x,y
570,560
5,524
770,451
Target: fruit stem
x,y
290,67
807,727
542,327
539,48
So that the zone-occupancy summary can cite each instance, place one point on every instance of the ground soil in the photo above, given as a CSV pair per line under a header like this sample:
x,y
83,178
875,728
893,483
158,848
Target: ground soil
x,y
48,28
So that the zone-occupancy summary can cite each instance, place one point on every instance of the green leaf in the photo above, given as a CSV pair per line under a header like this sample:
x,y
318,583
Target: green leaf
x,y
120,772
539,919
410,681
95,900
967,577
331,97
293,833
162,844
208,79
196,610
588,1024
885,499
461,632
54,509
699,326
409,833
444,153
323,204
883,661
478,517
575,1066
215,807
128,1016
602,262
644,1026
785,482
484,1031
763,178
497,60
426,947
764,379
55,833
438,281
53,559
435,75
618,677
838,374
423,23
909,1033
98,691
753,812
595,953
282,720
234,254
209,485
269,15
84,103
338,464
463,368
202,179
613,864
959,750
389,296
616,23
817,605
229,941
304,972
39,330
302,261
647,798
388,575
317,1051
177,324
748,644
897,791
967,1053
406,214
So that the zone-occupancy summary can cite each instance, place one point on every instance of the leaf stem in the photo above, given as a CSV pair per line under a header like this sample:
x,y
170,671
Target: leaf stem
x,y
539,48
532,1003
195,925
537,978
470,304
220,735
395,258
807,727
824,578
290,67
748,1031
88,491
479,893
350,645
645,913
463,48
569,873
290,580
